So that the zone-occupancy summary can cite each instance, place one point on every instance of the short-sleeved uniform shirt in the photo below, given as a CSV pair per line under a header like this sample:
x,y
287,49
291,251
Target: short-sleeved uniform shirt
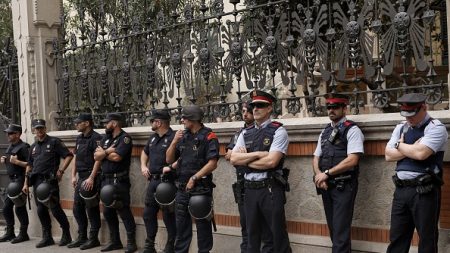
x,y
22,150
123,145
156,148
355,140
45,156
435,137
280,144
84,150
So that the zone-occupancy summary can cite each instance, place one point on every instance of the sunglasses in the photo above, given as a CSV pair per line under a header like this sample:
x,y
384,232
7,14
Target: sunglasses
x,y
333,107
11,133
260,105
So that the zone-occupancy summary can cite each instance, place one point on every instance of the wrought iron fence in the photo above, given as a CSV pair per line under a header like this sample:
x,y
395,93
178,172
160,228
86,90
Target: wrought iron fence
x,y
204,53
9,84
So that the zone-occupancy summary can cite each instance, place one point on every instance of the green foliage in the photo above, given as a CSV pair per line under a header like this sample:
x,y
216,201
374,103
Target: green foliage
x,y
6,24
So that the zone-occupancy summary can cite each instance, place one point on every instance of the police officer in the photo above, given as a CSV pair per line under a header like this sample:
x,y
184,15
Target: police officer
x,y
196,150
335,166
43,168
418,146
153,159
115,154
15,159
87,179
261,150
238,186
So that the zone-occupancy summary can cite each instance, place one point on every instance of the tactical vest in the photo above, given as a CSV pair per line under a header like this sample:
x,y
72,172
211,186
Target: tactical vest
x,y
425,166
334,151
193,152
260,139
13,169
157,151
240,170
85,155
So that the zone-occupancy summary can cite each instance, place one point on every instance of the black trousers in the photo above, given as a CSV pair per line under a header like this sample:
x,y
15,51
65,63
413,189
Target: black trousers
x,y
82,213
184,227
21,212
264,208
111,214
338,205
151,214
57,211
413,210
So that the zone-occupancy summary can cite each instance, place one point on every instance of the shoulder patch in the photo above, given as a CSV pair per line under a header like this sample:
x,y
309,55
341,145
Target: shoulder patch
x,y
126,140
211,136
276,123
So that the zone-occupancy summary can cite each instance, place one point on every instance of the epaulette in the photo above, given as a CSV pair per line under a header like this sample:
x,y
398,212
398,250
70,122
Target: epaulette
x,y
276,124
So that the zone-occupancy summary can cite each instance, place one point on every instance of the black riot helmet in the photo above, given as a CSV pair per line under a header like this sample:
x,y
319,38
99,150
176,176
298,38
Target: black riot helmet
x,y
91,197
15,194
110,196
201,206
44,195
165,195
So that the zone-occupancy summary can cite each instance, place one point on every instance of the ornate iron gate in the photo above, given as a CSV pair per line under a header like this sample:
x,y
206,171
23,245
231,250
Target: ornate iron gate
x,y
131,61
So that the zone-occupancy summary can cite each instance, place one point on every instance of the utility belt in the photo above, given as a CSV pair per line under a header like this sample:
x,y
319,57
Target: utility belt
x,y
154,177
15,177
239,188
200,184
44,177
423,184
266,183
117,176
274,177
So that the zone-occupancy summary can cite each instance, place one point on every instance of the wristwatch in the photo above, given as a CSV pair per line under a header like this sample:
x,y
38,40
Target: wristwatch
x,y
327,172
194,178
397,144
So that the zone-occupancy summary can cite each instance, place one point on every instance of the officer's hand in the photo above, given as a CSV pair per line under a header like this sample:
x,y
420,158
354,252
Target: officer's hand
x,y
319,178
3,159
99,154
145,172
166,169
88,184
228,154
74,182
59,174
13,159
323,185
25,189
190,185
110,150
178,136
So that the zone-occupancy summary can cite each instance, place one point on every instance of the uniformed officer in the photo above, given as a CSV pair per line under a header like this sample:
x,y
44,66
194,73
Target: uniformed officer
x,y
153,159
261,150
336,169
238,186
115,154
87,179
418,146
196,150
43,167
15,159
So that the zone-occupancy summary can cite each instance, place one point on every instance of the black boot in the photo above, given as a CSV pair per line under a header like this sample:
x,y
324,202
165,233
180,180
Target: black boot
x,y
9,234
170,246
149,246
47,239
92,242
82,238
65,238
114,242
21,237
131,242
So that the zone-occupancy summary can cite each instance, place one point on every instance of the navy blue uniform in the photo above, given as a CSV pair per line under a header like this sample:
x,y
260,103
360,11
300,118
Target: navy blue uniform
x,y
84,150
194,151
16,173
45,157
155,149
118,173
339,198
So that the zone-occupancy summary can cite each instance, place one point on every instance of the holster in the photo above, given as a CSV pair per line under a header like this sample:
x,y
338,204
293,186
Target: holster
x,y
238,191
282,179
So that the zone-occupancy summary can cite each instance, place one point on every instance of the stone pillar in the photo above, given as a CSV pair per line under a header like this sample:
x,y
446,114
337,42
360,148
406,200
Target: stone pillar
x,y
35,24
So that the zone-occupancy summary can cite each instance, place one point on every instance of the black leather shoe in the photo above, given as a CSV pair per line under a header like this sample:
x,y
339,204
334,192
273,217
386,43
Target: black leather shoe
x,y
45,242
91,243
9,234
77,243
112,246
21,237
65,238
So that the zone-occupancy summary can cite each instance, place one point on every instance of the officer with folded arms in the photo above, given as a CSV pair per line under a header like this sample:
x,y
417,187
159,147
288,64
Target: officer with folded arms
x,y
44,173
86,183
196,150
261,150
114,153
417,145
336,169
153,159
15,159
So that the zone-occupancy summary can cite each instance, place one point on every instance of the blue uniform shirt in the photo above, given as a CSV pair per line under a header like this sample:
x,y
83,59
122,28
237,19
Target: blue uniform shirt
x,y
123,145
434,136
280,143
